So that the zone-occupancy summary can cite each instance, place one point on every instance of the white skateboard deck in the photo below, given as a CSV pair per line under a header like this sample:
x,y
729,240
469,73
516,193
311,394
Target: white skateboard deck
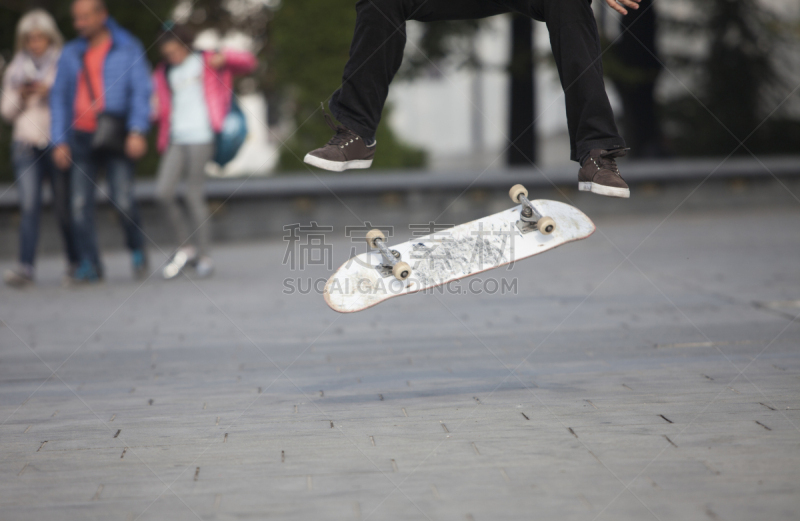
x,y
452,254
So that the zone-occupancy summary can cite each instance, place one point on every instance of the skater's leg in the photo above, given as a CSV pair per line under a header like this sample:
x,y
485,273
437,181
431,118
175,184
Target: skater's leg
x,y
576,47
377,49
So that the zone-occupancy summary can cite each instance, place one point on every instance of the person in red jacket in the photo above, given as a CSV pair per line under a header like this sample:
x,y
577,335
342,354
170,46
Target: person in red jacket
x,y
193,94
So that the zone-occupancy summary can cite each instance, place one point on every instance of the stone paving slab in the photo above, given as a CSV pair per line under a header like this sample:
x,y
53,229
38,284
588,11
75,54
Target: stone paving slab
x,y
649,372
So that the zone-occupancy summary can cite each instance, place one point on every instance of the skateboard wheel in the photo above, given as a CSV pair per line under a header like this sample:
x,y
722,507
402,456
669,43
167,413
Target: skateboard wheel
x,y
374,235
546,225
401,271
516,191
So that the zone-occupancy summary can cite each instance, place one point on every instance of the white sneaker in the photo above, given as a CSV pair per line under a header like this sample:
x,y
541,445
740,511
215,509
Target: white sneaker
x,y
178,262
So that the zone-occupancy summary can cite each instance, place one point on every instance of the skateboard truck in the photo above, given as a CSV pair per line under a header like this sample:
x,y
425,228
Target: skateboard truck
x,y
530,218
392,265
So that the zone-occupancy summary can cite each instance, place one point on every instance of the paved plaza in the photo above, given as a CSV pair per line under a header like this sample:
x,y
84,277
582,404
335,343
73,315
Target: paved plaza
x,y
651,371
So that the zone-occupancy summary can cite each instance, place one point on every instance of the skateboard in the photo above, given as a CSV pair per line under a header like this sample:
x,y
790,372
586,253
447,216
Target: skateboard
x,y
384,272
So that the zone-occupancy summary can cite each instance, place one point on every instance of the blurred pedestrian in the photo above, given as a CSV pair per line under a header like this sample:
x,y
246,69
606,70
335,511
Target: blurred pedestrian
x,y
376,54
193,95
26,91
100,106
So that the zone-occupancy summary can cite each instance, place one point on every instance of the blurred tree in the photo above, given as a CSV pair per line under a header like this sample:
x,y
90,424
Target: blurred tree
x,y
310,42
740,81
140,17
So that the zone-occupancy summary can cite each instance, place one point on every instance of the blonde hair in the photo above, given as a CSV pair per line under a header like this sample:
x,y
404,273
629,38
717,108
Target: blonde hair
x,y
38,20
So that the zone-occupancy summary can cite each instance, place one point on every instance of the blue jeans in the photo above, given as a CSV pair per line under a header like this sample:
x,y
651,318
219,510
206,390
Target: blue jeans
x,y
32,167
119,173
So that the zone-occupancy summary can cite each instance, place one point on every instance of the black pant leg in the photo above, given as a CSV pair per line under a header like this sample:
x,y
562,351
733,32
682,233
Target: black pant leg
x,y
376,53
575,42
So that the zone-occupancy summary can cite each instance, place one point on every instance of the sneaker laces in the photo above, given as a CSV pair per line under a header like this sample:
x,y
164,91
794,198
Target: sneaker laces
x,y
343,136
607,160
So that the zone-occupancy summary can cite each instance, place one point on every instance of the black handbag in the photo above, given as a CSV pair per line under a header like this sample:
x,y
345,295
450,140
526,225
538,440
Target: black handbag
x,y
111,132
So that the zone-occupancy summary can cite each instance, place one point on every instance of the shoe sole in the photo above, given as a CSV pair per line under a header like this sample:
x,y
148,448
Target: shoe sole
x,y
609,191
337,166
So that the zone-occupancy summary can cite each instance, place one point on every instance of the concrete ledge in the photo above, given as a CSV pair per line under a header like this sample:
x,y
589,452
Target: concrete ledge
x,y
375,182
258,208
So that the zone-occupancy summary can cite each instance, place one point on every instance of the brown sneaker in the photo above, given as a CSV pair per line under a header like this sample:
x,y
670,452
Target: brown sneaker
x,y
344,151
600,174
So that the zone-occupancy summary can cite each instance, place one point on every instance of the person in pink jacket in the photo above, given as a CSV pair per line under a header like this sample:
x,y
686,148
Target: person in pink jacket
x,y
193,95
